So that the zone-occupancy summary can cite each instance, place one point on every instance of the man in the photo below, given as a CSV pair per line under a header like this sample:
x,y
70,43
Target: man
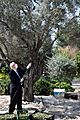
x,y
16,76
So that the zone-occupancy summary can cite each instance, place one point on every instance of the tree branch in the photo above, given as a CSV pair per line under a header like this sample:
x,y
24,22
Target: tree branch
x,y
5,24
50,46
2,53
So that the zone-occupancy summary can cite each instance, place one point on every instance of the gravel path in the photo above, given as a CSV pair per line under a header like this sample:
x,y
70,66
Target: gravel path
x,y
63,109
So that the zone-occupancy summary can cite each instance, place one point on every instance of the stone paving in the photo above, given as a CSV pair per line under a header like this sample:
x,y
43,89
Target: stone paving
x,y
63,109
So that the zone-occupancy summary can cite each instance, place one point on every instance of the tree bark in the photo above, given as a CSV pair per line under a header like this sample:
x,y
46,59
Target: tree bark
x,y
28,86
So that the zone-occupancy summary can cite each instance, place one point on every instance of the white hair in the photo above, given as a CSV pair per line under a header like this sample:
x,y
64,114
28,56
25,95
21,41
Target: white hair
x,y
12,64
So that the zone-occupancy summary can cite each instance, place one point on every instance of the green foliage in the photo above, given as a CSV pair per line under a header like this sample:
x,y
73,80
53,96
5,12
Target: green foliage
x,y
70,33
4,79
22,115
46,87
4,76
61,67
41,116
4,86
64,85
77,60
7,117
61,85
4,68
42,87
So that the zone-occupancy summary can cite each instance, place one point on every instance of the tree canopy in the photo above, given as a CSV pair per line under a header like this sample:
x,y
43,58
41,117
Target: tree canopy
x,y
27,29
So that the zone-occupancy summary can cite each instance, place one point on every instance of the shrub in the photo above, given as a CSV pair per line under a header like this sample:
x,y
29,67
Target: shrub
x,y
64,85
4,79
4,89
46,87
77,60
61,68
42,87
4,82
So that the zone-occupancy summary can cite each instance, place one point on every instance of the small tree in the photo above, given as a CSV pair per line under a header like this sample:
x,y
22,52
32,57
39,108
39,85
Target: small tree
x,y
61,67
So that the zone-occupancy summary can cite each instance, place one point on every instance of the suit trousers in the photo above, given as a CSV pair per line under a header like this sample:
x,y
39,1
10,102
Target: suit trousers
x,y
15,99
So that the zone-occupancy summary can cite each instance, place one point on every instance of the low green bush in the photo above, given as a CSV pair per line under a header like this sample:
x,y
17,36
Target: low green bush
x,y
4,86
4,83
42,116
7,117
46,87
42,87
4,79
64,85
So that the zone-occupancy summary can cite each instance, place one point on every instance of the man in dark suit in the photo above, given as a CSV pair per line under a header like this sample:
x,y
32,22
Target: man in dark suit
x,y
16,76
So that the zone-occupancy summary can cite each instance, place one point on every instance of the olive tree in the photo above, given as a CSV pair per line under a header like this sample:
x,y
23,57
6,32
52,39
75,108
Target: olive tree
x,y
26,27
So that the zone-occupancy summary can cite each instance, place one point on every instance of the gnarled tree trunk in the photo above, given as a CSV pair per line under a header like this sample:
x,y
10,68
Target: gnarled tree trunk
x,y
28,87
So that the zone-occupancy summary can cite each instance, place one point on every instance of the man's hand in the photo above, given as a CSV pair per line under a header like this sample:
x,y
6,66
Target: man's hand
x,y
22,79
29,65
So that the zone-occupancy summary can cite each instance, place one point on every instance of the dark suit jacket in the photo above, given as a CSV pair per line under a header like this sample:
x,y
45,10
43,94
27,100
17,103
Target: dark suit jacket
x,y
15,79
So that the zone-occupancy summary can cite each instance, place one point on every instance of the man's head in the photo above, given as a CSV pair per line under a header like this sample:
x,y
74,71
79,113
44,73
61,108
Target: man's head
x,y
13,65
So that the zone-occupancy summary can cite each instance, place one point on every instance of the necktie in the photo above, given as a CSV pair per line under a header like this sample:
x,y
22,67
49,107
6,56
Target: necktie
x,y
18,74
